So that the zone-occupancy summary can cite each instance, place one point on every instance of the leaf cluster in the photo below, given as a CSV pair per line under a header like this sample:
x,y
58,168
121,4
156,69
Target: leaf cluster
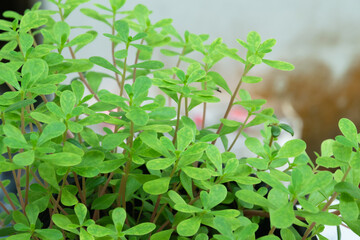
x,y
153,174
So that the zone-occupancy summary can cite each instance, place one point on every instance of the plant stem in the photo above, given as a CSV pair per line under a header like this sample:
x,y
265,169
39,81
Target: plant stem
x,y
27,186
239,133
186,107
137,59
81,194
232,99
122,190
5,209
81,75
113,51
326,207
155,208
177,119
177,65
205,104
7,195
59,196
124,74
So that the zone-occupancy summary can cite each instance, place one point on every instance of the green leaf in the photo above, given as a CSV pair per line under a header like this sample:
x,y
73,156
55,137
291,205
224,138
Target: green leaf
x,y
32,213
74,127
67,101
348,207
26,41
55,109
47,172
8,166
163,113
214,156
140,229
43,89
52,130
53,79
122,27
13,132
196,75
287,234
272,181
117,4
104,201
169,53
99,231
329,162
95,15
84,235
37,68
284,66
80,211
157,186
186,208
53,59
316,182
254,59
20,236
150,139
287,128
219,80
248,231
118,216
63,222
175,197
253,198
345,187
138,116
258,163
282,217
141,86
307,205
61,31
196,43
325,218
19,104
81,39
67,198
189,227
251,79
217,194
90,137
254,103
185,137
160,163
195,149
102,62
292,148
197,173
24,158
111,141
253,39
51,234
151,64
63,159
162,235
255,146
121,54
8,75
348,129
223,226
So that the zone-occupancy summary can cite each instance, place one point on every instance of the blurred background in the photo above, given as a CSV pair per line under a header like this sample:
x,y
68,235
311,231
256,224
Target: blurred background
x,y
321,38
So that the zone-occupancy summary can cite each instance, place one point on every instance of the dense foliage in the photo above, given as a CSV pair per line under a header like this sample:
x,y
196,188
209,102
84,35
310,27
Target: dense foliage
x,y
153,174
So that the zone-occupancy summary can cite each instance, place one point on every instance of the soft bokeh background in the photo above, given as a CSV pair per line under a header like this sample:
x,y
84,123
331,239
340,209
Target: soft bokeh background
x,y
321,38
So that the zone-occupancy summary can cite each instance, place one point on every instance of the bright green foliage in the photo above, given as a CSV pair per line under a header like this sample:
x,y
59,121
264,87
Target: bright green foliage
x,y
151,172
